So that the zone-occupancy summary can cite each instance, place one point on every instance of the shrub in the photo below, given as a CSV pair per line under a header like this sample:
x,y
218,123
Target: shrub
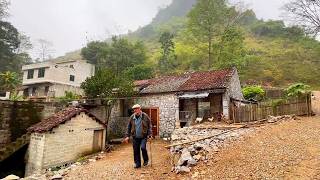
x,y
298,90
253,92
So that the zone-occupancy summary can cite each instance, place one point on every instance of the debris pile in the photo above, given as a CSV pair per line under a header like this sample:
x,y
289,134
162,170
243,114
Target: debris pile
x,y
274,119
192,144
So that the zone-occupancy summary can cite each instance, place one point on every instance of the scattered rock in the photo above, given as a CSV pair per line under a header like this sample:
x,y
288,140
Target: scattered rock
x,y
182,169
92,160
195,175
56,177
11,177
197,157
185,157
192,162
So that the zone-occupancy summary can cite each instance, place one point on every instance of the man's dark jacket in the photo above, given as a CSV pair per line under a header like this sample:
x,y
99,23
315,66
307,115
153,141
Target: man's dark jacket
x,y
146,126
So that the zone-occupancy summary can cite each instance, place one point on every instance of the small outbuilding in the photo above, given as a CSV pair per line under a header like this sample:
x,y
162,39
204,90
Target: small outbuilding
x,y
63,138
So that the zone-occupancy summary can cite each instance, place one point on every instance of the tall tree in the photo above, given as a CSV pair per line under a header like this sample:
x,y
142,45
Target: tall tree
x,y
92,51
119,55
205,21
230,50
9,81
4,8
168,57
9,42
305,13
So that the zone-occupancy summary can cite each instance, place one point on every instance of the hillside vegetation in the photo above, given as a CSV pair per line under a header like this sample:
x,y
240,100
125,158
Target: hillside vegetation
x,y
265,52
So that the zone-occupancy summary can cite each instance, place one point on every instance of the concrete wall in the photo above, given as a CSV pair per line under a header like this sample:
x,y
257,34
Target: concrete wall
x,y
35,154
64,144
168,105
60,89
59,72
315,102
16,117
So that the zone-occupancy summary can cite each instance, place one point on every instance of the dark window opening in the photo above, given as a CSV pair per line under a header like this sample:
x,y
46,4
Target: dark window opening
x,y
72,78
46,90
3,94
26,92
30,73
41,72
183,124
34,89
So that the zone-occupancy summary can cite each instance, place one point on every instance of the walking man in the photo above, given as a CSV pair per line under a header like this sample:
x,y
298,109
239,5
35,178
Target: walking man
x,y
140,128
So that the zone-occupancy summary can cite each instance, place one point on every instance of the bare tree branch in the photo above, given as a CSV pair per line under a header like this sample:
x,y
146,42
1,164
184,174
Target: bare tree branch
x,y
304,13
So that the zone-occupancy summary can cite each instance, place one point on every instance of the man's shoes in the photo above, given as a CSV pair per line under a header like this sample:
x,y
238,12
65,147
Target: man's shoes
x,y
145,163
136,166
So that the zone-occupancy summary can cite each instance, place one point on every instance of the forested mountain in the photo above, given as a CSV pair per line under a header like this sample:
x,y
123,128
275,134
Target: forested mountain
x,y
275,54
180,38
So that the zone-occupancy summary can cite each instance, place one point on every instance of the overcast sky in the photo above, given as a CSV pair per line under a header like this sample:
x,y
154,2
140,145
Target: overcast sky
x,y
68,23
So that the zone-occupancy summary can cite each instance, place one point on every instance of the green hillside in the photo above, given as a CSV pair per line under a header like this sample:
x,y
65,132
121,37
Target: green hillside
x,y
275,54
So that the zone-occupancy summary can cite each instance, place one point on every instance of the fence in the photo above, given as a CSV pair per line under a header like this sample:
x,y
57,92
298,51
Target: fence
x,y
240,112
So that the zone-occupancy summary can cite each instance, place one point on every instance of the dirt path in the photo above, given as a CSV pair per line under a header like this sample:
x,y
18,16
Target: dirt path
x,y
288,150
119,165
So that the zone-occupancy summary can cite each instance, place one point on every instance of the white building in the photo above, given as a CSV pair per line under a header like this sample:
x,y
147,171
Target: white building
x,y
53,78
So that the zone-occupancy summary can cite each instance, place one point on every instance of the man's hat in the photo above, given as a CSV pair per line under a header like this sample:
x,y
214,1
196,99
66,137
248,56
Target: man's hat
x,y
136,106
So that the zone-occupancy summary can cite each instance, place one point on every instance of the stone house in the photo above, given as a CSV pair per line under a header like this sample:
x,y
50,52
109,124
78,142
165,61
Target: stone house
x,y
64,137
52,78
176,101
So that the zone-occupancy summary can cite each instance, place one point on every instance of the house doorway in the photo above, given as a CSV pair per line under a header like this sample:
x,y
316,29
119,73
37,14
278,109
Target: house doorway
x,y
153,113
97,140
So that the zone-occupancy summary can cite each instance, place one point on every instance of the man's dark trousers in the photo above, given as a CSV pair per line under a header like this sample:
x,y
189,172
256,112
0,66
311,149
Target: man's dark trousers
x,y
137,144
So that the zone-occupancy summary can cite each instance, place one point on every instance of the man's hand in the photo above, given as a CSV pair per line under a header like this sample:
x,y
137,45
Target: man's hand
x,y
126,140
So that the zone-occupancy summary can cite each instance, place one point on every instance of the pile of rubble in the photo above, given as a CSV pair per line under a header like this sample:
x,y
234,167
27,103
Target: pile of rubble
x,y
192,145
274,119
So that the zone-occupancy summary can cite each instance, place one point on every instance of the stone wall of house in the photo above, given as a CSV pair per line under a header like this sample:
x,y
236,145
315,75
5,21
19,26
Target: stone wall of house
x,y
233,91
168,105
234,88
16,117
65,143
117,124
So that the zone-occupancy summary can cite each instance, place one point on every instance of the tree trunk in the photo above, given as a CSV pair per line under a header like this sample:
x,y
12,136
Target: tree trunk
x,y
209,53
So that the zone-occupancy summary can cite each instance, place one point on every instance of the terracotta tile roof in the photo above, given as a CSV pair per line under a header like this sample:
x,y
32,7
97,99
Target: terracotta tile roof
x,y
59,118
164,84
207,80
186,82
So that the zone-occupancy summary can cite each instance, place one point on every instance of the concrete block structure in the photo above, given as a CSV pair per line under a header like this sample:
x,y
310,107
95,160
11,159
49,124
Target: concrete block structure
x,y
52,78
63,138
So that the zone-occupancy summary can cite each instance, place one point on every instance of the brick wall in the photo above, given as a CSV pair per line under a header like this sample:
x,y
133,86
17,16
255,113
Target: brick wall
x,y
64,144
